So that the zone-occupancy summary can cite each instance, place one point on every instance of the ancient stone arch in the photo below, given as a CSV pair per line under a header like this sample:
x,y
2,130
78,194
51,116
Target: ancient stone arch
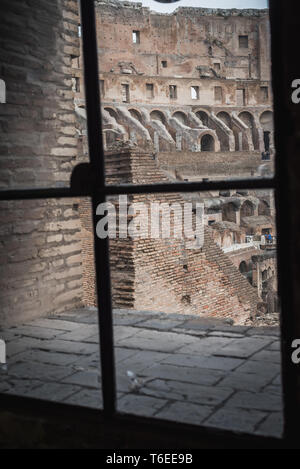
x,y
225,117
247,209
136,114
207,143
264,208
157,115
248,119
112,112
203,116
243,268
181,117
229,212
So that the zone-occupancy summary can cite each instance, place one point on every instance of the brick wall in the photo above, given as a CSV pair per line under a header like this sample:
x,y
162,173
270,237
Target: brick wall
x,y
163,274
39,240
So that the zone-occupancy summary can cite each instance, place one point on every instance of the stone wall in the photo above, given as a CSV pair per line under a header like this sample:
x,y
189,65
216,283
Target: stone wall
x,y
40,240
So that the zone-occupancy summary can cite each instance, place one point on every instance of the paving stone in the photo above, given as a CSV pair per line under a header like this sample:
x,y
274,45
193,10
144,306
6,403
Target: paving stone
x,y
69,346
233,329
122,353
20,387
213,363
86,398
274,389
156,340
208,395
207,345
266,356
20,345
194,332
124,332
8,335
199,323
55,324
160,324
40,371
253,366
140,405
245,381
56,392
140,361
82,334
238,420
243,348
205,372
37,332
277,380
233,335
185,412
259,401
272,425
88,379
275,346
53,358
264,331
127,320
186,374
220,363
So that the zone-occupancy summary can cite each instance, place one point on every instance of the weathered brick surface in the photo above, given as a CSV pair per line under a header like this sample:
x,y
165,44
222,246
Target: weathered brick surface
x,y
150,274
40,270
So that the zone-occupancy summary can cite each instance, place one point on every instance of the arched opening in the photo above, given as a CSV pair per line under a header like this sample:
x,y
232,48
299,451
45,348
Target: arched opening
x,y
228,212
225,117
203,117
266,121
157,116
207,143
2,92
264,275
248,119
135,114
181,117
263,208
247,209
243,267
111,112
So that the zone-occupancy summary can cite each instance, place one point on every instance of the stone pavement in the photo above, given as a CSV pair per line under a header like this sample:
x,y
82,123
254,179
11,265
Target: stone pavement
x,y
170,366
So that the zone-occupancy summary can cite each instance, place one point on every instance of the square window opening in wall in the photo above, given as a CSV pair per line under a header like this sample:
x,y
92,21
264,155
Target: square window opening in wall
x,y
241,97
76,84
218,92
149,90
125,93
243,42
195,92
164,64
136,37
264,93
173,91
217,66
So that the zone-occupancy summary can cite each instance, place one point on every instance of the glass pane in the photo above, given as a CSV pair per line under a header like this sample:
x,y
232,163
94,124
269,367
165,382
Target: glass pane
x,y
193,93
196,309
49,322
42,115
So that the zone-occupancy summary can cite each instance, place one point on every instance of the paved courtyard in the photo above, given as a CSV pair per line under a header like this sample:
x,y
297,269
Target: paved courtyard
x,y
169,366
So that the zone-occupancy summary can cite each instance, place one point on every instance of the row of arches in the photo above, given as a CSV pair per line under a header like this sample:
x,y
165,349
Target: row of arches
x,y
247,209
207,142
265,119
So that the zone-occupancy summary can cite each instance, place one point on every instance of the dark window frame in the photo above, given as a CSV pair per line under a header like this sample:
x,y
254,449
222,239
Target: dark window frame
x,y
94,187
